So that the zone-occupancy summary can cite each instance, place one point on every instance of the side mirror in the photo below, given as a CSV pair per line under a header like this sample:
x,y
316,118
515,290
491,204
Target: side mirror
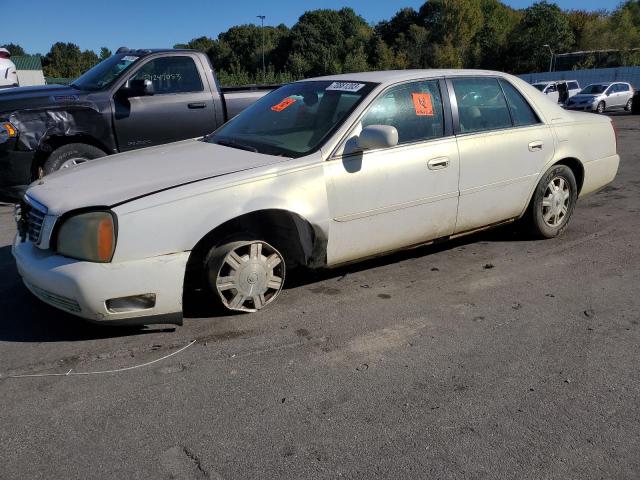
x,y
377,136
138,88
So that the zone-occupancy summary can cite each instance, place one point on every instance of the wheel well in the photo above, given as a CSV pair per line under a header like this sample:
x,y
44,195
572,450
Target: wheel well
x,y
52,143
293,236
577,169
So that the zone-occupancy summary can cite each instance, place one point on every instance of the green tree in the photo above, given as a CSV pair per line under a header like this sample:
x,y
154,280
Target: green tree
x,y
390,30
104,53
452,27
490,43
324,38
14,49
67,60
542,23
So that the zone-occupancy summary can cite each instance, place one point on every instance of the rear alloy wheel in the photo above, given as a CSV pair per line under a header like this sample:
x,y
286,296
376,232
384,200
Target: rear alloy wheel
x,y
600,108
629,105
553,203
246,275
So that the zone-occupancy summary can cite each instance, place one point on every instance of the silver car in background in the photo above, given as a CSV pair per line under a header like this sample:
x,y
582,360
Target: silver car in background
x,y
601,97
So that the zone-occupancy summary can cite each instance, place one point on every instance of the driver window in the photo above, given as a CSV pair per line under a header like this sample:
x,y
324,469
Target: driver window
x,y
414,109
172,74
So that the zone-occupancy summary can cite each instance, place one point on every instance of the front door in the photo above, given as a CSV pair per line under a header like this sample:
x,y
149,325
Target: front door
x,y
503,147
385,199
181,107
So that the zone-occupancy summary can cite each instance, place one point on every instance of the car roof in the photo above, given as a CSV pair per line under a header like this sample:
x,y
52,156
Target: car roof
x,y
393,76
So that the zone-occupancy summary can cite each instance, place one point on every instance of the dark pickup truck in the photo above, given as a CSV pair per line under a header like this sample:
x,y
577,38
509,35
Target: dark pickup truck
x,y
134,99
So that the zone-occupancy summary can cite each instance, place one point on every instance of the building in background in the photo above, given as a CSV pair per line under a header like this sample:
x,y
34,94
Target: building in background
x,y
29,69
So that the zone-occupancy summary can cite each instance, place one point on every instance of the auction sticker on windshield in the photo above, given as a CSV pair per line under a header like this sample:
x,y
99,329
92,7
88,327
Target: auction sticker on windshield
x,y
345,86
283,104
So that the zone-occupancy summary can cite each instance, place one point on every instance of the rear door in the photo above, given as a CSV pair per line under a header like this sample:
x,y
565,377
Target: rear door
x,y
182,106
614,96
503,146
384,199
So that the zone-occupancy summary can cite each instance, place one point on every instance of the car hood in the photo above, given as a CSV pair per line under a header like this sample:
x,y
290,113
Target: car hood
x,y
20,98
119,178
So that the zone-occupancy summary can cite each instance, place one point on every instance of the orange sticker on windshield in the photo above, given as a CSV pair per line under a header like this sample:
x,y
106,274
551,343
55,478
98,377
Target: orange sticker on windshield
x,y
422,104
283,104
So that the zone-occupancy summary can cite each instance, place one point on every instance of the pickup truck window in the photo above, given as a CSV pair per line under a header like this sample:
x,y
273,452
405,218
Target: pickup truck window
x,y
414,109
174,74
293,120
481,104
105,73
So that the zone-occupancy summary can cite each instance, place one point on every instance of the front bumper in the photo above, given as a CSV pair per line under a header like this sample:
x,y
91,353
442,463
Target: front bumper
x,y
584,107
15,171
83,288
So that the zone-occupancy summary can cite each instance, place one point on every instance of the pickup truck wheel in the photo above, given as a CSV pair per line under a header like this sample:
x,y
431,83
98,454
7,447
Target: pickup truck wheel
x,y
245,275
553,202
70,155
600,108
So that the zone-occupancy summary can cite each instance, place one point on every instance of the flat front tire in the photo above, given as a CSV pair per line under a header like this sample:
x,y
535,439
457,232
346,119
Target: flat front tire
x,y
553,202
245,275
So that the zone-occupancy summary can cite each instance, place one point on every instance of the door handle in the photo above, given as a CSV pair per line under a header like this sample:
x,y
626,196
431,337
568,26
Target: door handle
x,y
438,163
197,105
535,146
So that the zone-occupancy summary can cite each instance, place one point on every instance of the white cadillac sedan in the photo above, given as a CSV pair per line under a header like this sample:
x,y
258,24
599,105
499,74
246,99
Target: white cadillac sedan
x,y
316,174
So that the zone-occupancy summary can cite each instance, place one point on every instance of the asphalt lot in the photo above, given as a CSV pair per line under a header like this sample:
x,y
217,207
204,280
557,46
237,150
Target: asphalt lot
x,y
489,357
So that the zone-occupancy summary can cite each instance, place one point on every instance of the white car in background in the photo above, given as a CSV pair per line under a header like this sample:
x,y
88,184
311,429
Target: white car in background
x,y
555,89
317,173
8,73
602,97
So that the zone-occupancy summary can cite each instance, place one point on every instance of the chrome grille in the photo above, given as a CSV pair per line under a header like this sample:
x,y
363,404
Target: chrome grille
x,y
34,214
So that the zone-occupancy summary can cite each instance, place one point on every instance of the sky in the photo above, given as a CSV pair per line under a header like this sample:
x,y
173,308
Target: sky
x,y
91,24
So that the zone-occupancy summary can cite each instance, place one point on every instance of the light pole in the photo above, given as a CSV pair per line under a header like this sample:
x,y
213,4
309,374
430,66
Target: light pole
x,y
264,72
551,60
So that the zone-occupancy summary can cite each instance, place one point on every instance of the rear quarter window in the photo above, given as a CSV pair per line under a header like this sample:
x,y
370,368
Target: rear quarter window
x,y
521,111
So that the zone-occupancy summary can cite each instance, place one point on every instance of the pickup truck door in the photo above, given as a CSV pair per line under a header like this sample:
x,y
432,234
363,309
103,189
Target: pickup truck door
x,y
181,107
503,147
384,199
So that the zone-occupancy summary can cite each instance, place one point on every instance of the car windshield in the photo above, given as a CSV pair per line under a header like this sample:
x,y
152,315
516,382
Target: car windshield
x,y
293,120
106,72
540,86
596,88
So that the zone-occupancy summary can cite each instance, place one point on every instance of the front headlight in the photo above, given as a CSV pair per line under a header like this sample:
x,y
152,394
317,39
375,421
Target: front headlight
x,y
88,236
7,131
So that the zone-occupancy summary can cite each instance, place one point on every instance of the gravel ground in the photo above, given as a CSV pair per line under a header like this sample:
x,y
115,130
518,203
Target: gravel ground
x,y
492,356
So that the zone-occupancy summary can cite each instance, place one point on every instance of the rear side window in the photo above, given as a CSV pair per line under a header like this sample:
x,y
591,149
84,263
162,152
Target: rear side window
x,y
415,109
171,75
481,104
573,86
521,111
623,88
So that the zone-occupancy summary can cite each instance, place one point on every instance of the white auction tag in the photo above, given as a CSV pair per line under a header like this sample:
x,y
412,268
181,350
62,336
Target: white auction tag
x,y
345,86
